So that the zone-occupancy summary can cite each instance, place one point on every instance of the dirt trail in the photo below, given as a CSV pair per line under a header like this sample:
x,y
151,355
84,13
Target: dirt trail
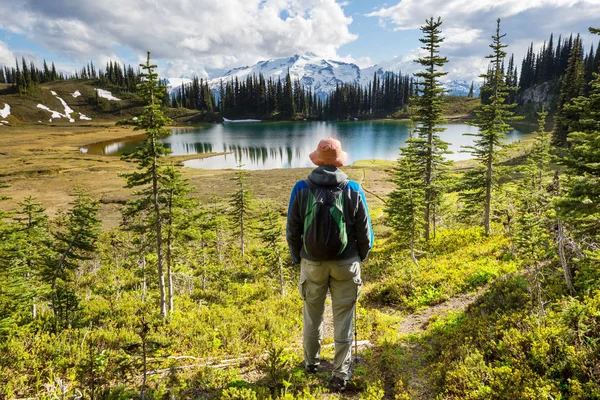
x,y
418,321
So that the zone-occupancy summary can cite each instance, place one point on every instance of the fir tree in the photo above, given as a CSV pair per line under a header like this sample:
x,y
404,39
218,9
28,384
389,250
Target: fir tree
x,y
427,118
177,204
32,243
405,204
580,204
572,86
75,241
150,171
471,91
535,247
270,231
240,206
491,120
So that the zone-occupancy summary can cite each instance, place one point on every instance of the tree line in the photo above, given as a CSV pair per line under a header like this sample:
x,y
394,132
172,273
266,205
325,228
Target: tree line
x,y
551,61
24,77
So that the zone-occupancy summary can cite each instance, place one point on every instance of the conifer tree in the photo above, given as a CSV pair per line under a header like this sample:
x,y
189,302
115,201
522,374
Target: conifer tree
x,y
405,204
491,119
150,171
177,204
240,206
580,204
572,86
32,243
535,247
270,231
471,91
75,241
427,117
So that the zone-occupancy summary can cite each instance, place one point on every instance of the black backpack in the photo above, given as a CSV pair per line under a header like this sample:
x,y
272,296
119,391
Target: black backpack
x,y
325,236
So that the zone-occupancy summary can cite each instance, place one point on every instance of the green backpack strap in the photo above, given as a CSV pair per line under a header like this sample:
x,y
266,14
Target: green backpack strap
x,y
338,214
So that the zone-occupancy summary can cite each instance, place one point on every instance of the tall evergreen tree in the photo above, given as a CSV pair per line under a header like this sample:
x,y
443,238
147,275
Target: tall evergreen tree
x,y
75,241
32,243
270,231
240,206
177,204
572,86
405,204
491,120
150,171
427,118
580,204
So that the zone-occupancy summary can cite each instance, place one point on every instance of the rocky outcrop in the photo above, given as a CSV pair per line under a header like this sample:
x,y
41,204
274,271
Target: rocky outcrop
x,y
539,95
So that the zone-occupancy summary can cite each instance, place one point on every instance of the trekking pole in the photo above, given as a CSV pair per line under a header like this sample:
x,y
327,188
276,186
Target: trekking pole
x,y
355,333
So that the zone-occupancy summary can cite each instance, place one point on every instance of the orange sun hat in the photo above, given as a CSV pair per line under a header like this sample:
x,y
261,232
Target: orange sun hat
x,y
329,152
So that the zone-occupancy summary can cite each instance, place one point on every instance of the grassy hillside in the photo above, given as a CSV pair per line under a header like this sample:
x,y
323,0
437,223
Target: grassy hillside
x,y
24,109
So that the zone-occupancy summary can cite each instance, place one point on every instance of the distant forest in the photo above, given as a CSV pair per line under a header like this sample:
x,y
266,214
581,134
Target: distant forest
x,y
286,98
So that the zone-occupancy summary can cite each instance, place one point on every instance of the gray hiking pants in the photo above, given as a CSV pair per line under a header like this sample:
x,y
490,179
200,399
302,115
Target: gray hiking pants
x,y
342,278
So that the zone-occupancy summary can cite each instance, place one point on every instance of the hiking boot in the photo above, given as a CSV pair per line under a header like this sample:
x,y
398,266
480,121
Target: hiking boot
x,y
338,384
311,369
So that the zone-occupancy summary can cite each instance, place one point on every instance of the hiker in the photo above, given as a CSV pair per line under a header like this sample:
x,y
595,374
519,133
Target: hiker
x,y
329,233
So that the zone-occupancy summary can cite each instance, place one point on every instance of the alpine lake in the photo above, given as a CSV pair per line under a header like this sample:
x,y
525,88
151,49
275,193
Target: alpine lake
x,y
269,145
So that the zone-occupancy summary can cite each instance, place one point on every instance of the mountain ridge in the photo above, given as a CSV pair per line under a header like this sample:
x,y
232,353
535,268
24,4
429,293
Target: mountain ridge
x,y
320,74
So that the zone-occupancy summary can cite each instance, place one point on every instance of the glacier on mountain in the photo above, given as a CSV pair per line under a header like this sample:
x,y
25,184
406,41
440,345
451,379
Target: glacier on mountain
x,y
318,73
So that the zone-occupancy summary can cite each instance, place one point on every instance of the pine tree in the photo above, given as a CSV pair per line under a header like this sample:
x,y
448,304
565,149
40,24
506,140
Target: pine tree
x,y
491,120
240,206
405,204
427,117
150,171
572,86
471,91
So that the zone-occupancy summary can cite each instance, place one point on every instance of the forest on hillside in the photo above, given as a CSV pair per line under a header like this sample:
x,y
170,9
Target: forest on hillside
x,y
199,300
287,99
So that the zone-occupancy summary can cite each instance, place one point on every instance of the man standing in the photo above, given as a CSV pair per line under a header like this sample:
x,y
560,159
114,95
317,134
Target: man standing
x,y
329,232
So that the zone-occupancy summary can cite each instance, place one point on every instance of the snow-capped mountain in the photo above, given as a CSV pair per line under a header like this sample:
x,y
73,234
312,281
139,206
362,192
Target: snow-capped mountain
x,y
173,84
315,72
318,73
461,88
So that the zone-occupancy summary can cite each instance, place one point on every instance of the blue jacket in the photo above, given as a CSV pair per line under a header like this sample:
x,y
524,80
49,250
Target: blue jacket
x,y
358,222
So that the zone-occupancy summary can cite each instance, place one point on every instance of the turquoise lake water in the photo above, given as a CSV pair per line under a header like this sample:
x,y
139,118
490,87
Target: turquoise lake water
x,y
288,144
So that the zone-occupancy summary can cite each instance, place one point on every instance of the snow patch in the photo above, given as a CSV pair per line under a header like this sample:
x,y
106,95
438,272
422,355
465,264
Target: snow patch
x,y
55,114
76,94
135,118
105,94
82,116
5,112
68,110
83,150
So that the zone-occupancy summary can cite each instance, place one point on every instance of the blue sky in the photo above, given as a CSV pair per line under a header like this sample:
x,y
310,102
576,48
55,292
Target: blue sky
x,y
207,37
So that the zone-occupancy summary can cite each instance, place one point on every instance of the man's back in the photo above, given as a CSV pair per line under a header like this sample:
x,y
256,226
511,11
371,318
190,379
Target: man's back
x,y
356,215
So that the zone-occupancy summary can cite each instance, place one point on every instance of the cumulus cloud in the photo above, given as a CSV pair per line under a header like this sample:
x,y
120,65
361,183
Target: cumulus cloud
x,y
201,34
6,56
468,26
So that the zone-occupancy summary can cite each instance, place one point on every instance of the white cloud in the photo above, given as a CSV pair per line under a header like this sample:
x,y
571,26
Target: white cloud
x,y
410,14
210,34
468,27
6,56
